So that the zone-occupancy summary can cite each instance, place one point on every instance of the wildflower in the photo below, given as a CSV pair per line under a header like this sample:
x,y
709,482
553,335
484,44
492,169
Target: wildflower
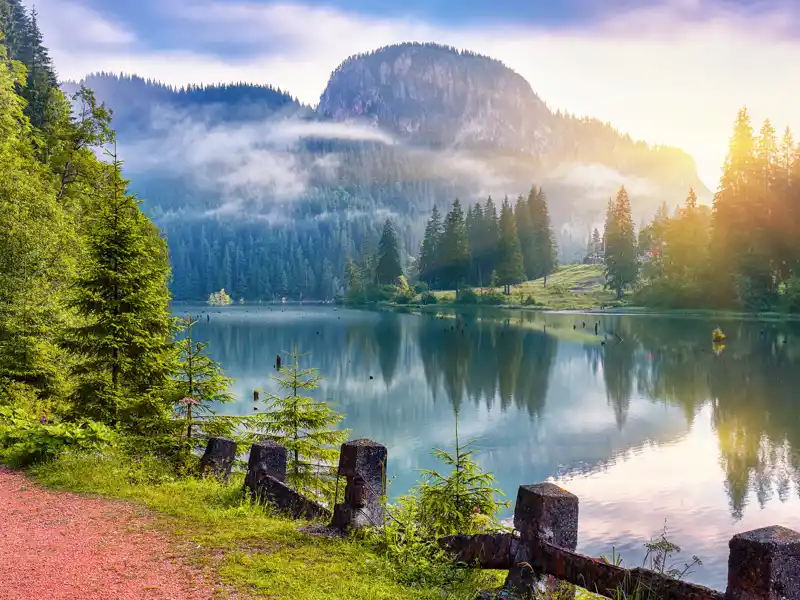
x,y
43,420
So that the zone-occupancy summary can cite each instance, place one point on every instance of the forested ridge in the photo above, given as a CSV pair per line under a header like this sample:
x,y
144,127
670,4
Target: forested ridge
x,y
294,202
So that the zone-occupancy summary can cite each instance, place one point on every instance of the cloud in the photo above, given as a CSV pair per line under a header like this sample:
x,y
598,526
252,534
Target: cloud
x,y
251,165
672,72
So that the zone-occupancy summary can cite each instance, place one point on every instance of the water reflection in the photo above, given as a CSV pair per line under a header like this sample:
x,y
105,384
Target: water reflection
x,y
645,421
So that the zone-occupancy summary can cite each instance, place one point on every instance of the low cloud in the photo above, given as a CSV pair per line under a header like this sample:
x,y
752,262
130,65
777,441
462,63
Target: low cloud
x,y
251,165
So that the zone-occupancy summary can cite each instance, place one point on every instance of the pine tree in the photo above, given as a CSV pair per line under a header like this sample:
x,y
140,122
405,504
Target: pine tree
x,y
455,248
732,232
622,266
522,217
199,379
490,241
122,298
475,228
597,244
429,251
510,270
542,239
304,427
388,267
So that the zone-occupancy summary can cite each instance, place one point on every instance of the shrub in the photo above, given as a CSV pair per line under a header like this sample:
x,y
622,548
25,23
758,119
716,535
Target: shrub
x,y
420,287
428,298
402,299
529,301
25,440
493,298
467,296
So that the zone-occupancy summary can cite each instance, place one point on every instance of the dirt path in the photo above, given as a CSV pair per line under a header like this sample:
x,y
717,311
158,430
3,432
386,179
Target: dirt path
x,y
62,546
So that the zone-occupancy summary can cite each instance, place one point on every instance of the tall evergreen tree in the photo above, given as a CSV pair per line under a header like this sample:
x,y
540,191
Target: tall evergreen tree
x,y
542,239
455,248
122,297
388,267
490,241
622,266
429,260
525,233
475,229
510,270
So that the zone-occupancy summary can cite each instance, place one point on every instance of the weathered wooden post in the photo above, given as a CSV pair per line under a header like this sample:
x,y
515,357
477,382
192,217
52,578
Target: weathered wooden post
x,y
266,459
764,564
363,464
219,456
547,513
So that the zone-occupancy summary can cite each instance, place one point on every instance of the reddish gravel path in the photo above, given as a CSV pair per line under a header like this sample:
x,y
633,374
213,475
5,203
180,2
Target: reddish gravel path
x,y
62,546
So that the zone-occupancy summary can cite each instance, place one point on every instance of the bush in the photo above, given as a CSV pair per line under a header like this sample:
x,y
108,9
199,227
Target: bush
x,y
529,301
428,298
493,298
24,440
402,299
467,296
421,287
791,296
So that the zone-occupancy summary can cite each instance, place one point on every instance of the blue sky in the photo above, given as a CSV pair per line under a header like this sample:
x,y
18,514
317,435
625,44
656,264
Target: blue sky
x,y
666,71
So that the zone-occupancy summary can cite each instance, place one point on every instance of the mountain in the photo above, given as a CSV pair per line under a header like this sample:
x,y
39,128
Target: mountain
x,y
263,195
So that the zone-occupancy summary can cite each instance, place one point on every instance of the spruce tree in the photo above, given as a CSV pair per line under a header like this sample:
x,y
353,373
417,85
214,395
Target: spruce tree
x,y
304,427
542,239
622,265
525,233
597,244
123,337
490,240
429,251
509,269
475,229
455,248
388,267
199,379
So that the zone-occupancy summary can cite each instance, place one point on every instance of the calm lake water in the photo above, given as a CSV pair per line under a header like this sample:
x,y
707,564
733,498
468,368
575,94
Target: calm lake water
x,y
656,427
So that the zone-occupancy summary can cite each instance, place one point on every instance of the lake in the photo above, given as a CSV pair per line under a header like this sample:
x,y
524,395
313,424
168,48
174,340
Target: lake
x,y
654,425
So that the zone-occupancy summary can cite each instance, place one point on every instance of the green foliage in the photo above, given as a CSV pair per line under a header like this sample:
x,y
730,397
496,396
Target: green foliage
x,y
460,500
454,248
420,287
622,266
121,295
26,439
220,298
467,296
428,298
493,298
388,268
429,259
305,427
510,270
199,381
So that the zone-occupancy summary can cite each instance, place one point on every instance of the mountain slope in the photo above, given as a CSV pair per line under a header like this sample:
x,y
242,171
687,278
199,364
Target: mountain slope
x,y
262,195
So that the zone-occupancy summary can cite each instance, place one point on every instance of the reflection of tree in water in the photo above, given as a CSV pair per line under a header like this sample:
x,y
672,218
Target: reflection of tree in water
x,y
388,337
752,388
485,359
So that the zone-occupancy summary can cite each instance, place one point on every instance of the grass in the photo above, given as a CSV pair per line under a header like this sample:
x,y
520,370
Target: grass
x,y
571,287
253,553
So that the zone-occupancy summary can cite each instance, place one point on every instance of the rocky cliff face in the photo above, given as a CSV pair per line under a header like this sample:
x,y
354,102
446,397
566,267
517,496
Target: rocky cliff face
x,y
437,96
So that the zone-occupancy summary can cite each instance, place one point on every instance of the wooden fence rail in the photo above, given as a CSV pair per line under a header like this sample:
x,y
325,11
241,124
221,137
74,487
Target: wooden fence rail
x,y
763,564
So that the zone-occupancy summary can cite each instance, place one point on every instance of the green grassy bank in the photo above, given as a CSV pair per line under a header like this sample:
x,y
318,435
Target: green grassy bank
x,y
253,553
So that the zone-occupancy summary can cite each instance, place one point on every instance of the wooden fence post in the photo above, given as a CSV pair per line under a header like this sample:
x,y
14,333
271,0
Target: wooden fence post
x,y
363,464
266,458
218,457
764,564
543,512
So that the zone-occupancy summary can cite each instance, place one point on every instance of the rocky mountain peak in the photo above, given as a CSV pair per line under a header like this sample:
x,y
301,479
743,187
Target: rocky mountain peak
x,y
438,96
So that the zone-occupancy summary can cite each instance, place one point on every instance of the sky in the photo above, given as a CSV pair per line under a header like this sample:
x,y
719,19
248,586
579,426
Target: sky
x,y
669,72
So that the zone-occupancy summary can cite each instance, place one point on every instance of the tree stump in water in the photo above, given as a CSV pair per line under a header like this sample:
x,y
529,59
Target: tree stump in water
x,y
218,458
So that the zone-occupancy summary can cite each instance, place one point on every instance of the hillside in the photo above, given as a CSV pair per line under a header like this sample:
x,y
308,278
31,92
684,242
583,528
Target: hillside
x,y
264,196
